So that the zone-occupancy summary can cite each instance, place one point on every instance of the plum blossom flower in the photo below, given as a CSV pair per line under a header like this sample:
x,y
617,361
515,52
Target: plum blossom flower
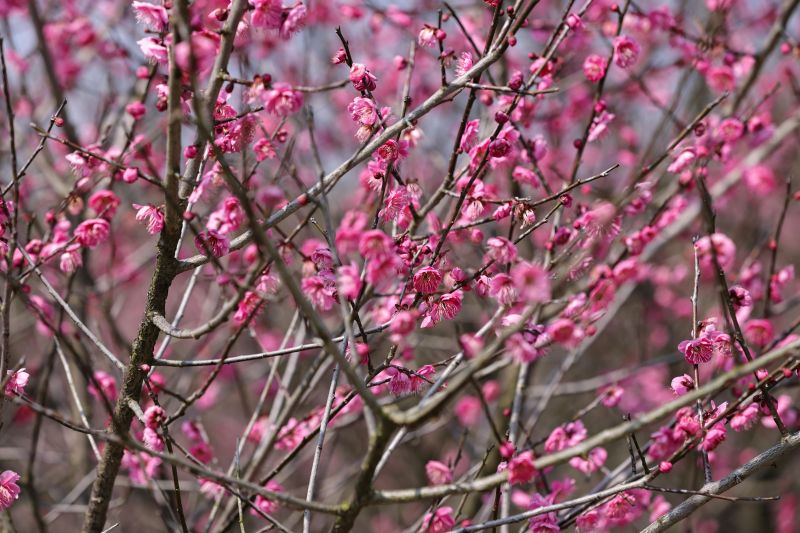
x,y
438,473
348,281
107,384
724,248
464,64
626,51
521,468
682,384
600,126
266,14
429,36
104,203
595,459
153,215
321,291
264,150
92,232
9,490
153,49
532,281
282,100
427,280
213,241
17,381
267,505
294,21
361,78
439,521
544,522
445,308
70,259
502,288
697,351
153,16
594,67
565,436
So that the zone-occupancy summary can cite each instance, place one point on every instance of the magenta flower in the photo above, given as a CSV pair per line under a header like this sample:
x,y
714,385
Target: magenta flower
x,y
282,100
697,351
92,232
427,280
438,473
9,490
266,14
267,505
594,67
212,240
626,51
521,468
153,16
153,215
682,384
439,521
361,78
17,382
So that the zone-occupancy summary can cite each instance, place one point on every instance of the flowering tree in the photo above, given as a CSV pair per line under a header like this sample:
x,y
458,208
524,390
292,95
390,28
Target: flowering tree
x,y
422,266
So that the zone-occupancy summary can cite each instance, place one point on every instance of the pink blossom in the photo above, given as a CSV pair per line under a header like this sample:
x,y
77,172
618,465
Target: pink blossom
x,y
626,51
745,418
154,416
362,79
720,78
282,100
264,150
266,14
595,459
153,49
697,351
724,247
682,384
532,281
438,473
464,64
439,521
267,505
16,382
427,280
445,308
104,203
71,258
501,288
294,21
153,215
713,438
760,180
759,332
92,232
216,243
396,201
565,436
543,522
136,110
683,160
321,291
594,67
153,16
363,111
9,490
107,384
374,244
348,281
521,468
